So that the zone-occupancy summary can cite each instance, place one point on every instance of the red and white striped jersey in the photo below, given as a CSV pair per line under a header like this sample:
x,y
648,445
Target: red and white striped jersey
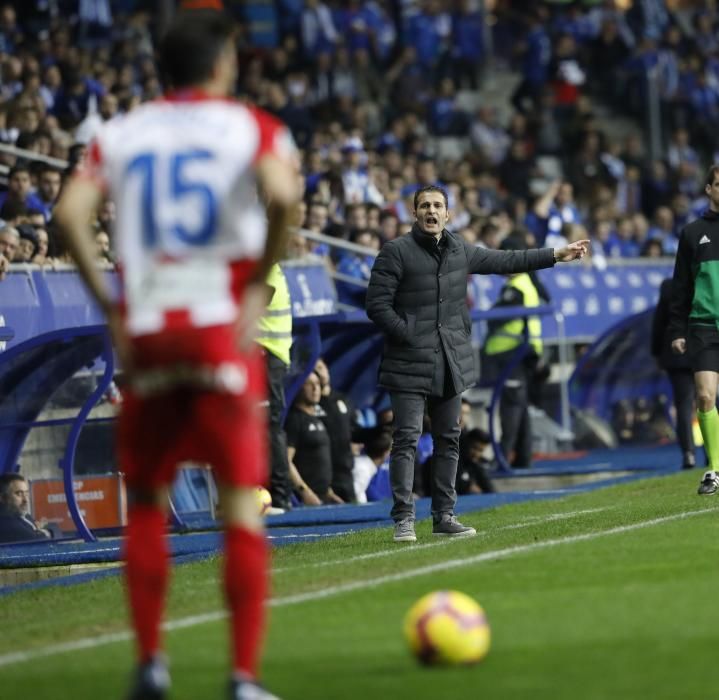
x,y
181,172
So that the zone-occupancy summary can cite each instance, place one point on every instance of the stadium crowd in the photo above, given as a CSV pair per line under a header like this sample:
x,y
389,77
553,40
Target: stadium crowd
x,y
371,89
386,96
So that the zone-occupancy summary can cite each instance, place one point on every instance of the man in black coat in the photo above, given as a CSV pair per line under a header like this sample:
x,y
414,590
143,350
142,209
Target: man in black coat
x,y
417,296
16,523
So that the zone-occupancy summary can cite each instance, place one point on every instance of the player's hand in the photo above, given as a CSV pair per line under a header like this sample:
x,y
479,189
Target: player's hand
x,y
573,251
252,308
120,340
4,266
679,346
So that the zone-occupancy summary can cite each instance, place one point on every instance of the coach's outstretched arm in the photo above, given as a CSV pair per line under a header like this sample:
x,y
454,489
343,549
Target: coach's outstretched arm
x,y
505,262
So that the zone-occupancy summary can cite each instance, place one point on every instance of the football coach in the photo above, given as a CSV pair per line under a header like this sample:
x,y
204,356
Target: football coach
x,y
417,297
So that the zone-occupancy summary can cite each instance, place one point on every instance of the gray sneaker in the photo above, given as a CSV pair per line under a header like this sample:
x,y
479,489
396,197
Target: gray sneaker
x,y
449,526
709,485
404,531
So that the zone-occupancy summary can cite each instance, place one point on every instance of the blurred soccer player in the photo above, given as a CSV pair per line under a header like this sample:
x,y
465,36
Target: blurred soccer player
x,y
189,174
693,319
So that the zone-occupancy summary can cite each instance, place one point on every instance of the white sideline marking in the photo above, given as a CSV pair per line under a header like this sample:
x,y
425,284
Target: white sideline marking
x,y
527,522
370,555
194,620
535,519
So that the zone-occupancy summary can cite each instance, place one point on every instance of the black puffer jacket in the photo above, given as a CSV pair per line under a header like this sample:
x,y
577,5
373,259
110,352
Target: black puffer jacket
x,y
417,296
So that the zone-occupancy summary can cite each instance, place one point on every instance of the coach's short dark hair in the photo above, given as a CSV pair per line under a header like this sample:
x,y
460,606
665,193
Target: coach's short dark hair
x,y
431,188
191,45
712,174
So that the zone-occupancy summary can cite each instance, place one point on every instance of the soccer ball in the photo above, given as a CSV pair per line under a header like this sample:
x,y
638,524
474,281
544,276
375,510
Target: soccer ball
x,y
264,500
447,628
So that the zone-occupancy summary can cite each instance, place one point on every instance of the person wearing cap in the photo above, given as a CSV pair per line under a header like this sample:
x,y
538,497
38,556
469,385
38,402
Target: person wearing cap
x,y
417,297
356,180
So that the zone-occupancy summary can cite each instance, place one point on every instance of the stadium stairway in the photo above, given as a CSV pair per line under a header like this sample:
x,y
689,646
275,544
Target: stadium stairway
x,y
35,565
498,85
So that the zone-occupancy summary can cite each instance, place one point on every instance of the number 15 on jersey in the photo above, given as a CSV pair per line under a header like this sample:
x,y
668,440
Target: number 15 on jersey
x,y
177,203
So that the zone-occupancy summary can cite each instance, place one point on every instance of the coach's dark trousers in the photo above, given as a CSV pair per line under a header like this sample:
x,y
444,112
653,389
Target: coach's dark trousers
x,y
279,467
408,409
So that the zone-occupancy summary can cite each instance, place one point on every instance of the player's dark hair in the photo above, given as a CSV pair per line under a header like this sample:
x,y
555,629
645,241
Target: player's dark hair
x,y
430,188
712,174
191,45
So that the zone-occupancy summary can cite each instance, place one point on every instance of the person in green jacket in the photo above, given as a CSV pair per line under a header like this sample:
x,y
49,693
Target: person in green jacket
x,y
694,319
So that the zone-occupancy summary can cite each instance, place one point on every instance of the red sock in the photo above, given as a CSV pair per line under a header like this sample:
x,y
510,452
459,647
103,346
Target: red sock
x,y
146,574
246,563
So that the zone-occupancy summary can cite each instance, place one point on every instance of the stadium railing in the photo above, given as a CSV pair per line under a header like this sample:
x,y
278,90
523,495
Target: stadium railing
x,y
34,302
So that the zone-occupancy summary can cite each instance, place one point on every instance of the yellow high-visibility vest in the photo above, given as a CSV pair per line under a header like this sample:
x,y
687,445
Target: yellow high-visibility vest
x,y
275,327
510,334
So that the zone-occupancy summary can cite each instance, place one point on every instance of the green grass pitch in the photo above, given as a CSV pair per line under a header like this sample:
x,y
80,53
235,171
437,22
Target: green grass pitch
x,y
606,595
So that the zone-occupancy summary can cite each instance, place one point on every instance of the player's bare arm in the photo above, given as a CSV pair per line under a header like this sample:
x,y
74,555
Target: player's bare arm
x,y
277,180
278,184
79,201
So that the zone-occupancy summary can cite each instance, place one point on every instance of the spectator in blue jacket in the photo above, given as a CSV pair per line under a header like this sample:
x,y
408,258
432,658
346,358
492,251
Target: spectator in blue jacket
x,y
445,117
468,50
429,32
536,57
318,30
355,264
20,190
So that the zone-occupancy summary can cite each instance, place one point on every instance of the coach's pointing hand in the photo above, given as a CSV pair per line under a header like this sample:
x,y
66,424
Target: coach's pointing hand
x,y
573,251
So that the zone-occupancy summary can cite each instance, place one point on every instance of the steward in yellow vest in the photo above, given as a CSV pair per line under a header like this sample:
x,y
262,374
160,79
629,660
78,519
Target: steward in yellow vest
x,y
518,291
275,327
275,337
504,337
